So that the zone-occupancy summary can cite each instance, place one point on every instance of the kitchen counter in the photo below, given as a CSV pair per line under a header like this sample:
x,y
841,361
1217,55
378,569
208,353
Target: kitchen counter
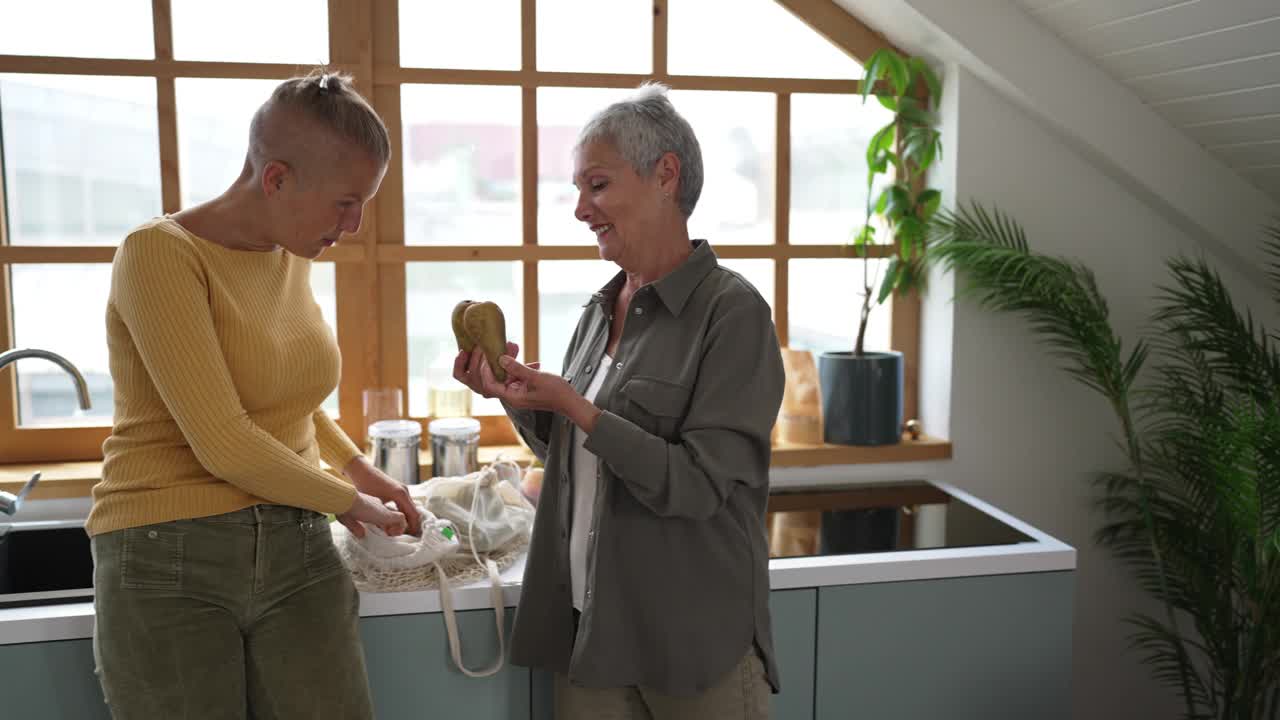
x,y
972,622
1042,553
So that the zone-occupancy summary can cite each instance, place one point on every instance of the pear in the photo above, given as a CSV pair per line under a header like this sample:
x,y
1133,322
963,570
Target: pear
x,y
487,328
459,329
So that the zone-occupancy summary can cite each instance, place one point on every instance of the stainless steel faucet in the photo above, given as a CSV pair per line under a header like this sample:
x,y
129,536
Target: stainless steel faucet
x,y
9,503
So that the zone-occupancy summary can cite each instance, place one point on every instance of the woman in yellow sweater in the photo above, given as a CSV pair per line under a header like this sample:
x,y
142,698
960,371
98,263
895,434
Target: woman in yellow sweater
x,y
218,590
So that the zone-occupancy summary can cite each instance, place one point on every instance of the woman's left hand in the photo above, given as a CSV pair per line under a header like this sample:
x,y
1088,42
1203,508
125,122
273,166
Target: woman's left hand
x,y
527,388
372,481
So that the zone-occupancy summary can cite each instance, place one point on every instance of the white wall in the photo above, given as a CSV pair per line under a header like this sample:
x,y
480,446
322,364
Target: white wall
x,y
1026,437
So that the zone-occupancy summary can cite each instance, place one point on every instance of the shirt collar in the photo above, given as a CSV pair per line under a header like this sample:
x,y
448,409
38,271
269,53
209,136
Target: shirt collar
x,y
675,287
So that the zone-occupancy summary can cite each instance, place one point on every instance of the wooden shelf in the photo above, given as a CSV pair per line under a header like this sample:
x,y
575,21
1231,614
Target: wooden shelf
x,y
924,449
75,479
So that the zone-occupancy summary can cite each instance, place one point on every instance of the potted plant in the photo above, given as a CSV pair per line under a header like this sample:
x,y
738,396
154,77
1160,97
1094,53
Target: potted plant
x,y
861,390
1196,512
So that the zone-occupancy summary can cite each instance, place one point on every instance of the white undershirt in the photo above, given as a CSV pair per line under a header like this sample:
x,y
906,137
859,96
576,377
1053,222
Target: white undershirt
x,y
585,483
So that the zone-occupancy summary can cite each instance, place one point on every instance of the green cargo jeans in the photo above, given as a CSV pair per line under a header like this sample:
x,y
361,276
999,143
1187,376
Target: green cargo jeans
x,y
249,614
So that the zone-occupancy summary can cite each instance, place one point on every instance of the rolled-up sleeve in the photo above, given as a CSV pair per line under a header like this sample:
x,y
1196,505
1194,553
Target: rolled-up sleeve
x,y
724,437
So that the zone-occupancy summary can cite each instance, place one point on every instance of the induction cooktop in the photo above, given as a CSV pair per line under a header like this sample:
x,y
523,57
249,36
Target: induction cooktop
x,y
879,517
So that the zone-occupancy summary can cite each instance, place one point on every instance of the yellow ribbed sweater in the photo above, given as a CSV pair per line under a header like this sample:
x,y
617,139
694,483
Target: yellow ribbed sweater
x,y
220,360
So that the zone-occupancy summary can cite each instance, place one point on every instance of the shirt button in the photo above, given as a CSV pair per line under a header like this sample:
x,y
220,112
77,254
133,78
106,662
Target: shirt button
x,y
639,311
588,593
591,535
587,369
619,366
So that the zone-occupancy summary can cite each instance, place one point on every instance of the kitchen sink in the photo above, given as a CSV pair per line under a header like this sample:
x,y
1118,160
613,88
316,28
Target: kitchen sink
x,y
44,562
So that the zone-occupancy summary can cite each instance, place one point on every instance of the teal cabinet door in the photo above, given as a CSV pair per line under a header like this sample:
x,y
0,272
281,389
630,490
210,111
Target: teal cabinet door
x,y
50,681
413,676
794,630
978,648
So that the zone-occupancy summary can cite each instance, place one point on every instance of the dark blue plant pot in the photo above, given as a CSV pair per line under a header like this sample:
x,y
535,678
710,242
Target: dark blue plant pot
x,y
861,397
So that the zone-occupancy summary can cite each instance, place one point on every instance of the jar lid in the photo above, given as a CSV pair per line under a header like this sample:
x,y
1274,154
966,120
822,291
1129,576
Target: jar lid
x,y
396,429
455,427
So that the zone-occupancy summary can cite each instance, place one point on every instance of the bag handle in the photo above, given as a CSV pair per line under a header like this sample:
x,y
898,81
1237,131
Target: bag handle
x,y
495,598
451,623
483,478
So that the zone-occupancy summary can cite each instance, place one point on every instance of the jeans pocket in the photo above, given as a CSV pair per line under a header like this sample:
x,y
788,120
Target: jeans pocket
x,y
151,559
320,555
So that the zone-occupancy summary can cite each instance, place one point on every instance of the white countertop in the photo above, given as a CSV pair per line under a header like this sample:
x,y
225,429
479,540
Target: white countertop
x,y
71,621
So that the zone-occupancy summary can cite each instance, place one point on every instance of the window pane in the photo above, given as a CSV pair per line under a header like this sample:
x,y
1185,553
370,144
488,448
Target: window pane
x,y
281,31
432,289
324,288
445,34
766,41
213,132
826,296
561,114
564,286
829,135
60,308
81,157
27,29
736,133
758,272
461,165
561,24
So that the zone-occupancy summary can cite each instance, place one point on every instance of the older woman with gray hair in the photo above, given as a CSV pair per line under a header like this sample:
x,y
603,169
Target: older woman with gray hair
x,y
647,584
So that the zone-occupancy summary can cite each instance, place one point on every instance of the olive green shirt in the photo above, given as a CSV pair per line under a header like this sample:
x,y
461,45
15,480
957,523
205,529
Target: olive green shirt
x,y
677,560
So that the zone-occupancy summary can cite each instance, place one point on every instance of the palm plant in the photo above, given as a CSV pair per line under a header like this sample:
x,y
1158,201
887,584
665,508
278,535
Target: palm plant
x,y
1196,514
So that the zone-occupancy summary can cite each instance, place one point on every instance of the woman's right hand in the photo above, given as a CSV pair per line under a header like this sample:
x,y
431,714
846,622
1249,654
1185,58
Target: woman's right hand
x,y
371,510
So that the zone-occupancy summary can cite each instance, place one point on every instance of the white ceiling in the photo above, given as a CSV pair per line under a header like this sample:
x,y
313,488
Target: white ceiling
x,y
1211,67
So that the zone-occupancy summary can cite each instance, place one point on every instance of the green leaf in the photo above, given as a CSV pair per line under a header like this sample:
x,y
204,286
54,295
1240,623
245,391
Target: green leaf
x,y
909,103
899,201
879,164
922,147
906,241
928,202
909,277
883,201
921,70
865,236
910,232
890,281
874,68
917,116
917,146
882,141
888,101
898,74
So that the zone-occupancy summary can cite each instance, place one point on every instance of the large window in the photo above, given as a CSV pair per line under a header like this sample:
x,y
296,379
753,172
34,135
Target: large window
x,y
149,112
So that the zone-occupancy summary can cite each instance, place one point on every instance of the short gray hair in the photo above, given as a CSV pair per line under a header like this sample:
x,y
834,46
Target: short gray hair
x,y
643,128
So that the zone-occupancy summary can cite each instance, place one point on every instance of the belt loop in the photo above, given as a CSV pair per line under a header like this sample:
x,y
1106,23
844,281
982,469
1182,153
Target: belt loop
x,y
257,514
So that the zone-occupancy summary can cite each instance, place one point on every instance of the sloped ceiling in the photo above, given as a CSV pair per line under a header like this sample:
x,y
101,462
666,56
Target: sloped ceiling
x,y
1210,67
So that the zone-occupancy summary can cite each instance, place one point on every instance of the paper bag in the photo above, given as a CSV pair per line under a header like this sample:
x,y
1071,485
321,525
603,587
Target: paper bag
x,y
800,417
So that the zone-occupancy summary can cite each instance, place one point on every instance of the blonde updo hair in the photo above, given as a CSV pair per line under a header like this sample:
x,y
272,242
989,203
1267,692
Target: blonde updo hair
x,y
324,101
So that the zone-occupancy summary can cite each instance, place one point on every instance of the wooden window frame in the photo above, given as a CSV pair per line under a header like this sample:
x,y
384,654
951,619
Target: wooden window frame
x,y
370,267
